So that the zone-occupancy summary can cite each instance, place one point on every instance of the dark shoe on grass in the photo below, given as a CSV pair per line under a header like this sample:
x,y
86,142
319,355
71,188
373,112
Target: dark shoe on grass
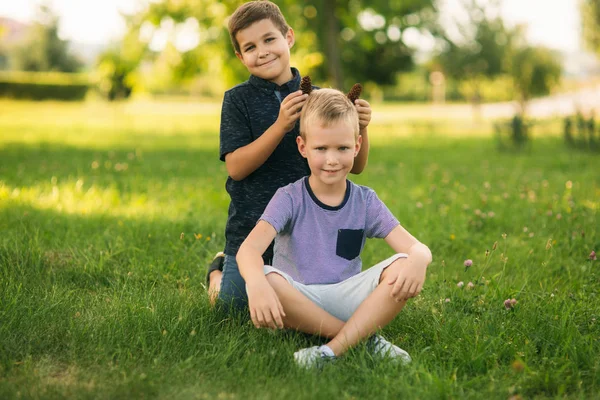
x,y
215,265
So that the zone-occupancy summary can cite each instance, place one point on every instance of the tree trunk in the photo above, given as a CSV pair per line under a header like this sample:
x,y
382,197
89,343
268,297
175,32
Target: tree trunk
x,y
476,100
332,48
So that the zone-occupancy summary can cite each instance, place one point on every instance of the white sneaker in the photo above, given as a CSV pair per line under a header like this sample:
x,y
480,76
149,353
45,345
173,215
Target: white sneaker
x,y
380,347
312,357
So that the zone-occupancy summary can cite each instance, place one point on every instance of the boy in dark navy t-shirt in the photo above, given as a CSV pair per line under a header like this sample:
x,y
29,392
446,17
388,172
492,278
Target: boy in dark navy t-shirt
x,y
258,135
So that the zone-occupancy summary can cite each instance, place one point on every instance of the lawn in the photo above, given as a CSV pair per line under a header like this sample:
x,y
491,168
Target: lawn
x,y
109,215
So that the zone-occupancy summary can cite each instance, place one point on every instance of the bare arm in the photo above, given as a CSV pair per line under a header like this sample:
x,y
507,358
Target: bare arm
x,y
249,256
360,161
245,160
409,282
364,118
265,308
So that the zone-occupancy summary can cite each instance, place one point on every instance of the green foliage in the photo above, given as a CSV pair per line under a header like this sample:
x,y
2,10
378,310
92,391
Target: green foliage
x,y
365,52
3,54
115,75
410,86
117,68
171,66
513,134
43,50
43,86
3,61
581,132
499,88
479,50
415,86
102,296
590,16
330,45
535,71
519,131
487,50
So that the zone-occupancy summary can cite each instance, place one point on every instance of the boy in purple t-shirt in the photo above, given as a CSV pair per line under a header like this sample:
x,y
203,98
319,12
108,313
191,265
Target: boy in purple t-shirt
x,y
320,224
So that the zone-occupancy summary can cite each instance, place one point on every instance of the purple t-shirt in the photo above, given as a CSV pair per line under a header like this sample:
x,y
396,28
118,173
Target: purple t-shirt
x,y
319,244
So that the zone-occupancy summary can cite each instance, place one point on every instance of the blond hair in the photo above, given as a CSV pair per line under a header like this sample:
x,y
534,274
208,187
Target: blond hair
x,y
326,107
254,11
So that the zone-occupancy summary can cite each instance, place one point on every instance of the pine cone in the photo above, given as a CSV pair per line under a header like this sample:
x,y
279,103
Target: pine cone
x,y
306,85
355,92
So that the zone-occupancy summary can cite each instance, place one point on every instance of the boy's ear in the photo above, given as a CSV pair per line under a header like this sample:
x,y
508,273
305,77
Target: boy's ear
x,y
357,145
291,39
301,146
239,56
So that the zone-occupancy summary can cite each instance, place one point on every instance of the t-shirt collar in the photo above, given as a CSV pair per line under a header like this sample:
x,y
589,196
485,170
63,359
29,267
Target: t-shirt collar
x,y
323,205
288,87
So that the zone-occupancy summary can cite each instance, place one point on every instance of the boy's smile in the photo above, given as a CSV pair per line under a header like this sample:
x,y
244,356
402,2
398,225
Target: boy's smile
x,y
265,51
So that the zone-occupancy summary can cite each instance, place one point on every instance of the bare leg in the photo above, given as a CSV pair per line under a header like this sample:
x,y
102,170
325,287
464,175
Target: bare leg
x,y
301,313
214,286
378,310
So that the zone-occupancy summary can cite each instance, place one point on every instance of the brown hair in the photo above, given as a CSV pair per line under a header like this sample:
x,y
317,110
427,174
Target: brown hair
x,y
328,106
254,11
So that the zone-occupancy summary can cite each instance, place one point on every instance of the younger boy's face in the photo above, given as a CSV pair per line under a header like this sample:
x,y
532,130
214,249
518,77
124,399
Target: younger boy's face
x,y
330,151
265,51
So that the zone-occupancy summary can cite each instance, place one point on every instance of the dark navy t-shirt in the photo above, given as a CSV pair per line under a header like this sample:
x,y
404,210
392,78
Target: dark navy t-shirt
x,y
249,109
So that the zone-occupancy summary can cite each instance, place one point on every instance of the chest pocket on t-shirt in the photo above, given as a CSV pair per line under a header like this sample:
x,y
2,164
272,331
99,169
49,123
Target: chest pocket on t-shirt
x,y
349,242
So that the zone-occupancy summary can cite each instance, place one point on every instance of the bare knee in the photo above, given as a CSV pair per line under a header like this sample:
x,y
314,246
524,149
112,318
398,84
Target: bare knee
x,y
277,281
392,270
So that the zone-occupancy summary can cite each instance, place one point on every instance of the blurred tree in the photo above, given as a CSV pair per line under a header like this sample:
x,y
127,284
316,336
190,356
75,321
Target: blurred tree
x,y
535,71
42,49
343,41
115,74
362,41
180,39
483,48
590,16
478,49
3,56
117,70
3,47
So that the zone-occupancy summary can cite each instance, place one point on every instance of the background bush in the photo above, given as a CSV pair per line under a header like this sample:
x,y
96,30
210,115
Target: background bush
x,y
44,85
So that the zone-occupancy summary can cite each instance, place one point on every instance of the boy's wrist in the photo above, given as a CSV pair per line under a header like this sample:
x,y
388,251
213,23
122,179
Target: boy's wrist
x,y
256,281
279,127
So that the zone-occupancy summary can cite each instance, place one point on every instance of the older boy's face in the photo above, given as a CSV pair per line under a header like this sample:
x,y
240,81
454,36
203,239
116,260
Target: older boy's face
x,y
265,51
330,151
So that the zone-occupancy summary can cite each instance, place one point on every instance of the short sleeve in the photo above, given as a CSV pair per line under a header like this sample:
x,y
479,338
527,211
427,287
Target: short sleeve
x,y
279,210
380,220
235,129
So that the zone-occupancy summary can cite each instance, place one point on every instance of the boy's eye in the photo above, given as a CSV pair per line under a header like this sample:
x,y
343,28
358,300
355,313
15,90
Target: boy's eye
x,y
320,148
269,40
247,49
344,148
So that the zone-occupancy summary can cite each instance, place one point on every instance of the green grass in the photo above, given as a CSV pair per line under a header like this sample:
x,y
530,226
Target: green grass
x,y
109,215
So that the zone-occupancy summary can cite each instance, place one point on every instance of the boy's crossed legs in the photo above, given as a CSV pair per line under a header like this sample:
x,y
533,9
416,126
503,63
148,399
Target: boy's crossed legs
x,y
375,310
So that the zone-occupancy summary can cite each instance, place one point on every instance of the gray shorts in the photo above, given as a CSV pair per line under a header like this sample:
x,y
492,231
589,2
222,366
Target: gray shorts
x,y
341,299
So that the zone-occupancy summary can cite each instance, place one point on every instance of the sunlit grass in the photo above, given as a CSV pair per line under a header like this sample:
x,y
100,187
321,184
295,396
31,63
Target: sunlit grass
x,y
109,214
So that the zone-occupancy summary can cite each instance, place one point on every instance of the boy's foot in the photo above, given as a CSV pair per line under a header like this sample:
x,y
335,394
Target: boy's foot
x,y
213,276
314,357
378,346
